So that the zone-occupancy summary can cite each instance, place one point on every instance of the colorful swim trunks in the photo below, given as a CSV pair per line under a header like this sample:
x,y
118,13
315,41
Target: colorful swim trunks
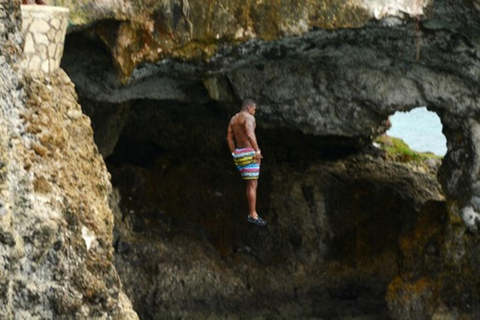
x,y
243,158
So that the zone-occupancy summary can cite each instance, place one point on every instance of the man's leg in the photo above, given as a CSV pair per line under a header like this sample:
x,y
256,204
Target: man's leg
x,y
252,197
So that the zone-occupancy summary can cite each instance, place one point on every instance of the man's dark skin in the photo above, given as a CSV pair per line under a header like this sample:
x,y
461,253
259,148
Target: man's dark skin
x,y
241,134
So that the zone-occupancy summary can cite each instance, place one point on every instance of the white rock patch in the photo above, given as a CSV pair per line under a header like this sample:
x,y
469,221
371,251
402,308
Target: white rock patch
x,y
384,8
88,236
469,216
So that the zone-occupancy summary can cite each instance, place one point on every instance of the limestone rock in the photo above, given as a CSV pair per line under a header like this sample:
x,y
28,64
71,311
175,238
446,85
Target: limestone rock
x,y
193,29
342,83
53,184
361,228
61,238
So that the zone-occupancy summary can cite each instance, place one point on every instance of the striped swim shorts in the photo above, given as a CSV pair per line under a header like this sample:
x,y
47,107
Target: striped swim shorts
x,y
243,159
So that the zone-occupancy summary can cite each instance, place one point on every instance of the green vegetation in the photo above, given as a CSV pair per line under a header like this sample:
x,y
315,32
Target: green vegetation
x,y
397,150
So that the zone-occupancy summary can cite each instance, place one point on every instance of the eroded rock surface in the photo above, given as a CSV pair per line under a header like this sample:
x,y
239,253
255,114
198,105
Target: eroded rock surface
x,y
354,221
340,83
349,234
195,29
330,250
56,254
323,92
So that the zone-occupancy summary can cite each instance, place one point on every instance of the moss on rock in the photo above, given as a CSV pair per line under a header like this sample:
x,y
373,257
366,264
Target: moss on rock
x,y
397,150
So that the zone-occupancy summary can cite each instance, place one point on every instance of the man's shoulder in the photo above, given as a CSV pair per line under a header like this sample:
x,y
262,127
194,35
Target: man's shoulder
x,y
241,118
248,117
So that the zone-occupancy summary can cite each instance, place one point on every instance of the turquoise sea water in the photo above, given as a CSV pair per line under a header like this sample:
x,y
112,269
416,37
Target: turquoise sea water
x,y
420,129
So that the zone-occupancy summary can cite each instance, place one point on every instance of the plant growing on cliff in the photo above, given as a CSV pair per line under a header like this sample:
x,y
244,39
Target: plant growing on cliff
x,y
397,150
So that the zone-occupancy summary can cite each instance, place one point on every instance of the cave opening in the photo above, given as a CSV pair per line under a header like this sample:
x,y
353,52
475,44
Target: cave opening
x,y
181,211
420,129
182,244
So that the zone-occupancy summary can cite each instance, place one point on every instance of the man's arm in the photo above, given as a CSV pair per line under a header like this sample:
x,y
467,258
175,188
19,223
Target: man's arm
x,y
230,141
250,131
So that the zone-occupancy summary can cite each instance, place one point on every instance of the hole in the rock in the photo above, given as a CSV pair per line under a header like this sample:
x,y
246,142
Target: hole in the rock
x,y
420,129
180,191
338,220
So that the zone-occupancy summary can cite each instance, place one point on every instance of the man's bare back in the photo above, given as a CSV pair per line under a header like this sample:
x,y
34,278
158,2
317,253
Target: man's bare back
x,y
241,124
241,131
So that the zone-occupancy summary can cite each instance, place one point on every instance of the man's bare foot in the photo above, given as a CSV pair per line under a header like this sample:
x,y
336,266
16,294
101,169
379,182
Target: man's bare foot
x,y
25,2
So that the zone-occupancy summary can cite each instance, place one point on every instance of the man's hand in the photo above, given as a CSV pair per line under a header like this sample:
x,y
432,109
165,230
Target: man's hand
x,y
258,157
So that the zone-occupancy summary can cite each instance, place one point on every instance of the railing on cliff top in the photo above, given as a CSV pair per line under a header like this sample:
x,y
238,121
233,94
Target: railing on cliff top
x,y
44,28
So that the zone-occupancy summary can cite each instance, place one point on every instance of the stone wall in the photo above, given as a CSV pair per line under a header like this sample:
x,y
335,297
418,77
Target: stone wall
x,y
44,28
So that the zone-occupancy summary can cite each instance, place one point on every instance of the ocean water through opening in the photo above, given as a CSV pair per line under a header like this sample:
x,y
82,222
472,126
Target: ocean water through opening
x,y
421,129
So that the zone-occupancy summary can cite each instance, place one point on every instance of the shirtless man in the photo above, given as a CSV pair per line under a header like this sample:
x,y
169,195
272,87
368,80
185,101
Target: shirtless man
x,y
246,154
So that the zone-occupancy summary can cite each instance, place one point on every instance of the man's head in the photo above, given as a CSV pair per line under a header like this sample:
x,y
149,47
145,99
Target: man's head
x,y
249,105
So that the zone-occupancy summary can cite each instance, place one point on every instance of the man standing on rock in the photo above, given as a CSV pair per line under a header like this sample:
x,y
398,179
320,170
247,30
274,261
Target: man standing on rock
x,y
246,154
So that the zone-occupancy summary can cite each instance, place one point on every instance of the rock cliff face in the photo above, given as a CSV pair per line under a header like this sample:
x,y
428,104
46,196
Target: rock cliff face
x,y
349,234
195,29
330,251
56,226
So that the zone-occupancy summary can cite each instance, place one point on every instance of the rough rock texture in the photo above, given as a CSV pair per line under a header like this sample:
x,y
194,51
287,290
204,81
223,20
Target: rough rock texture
x,y
342,83
350,235
322,94
55,223
360,223
330,250
190,29
327,12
